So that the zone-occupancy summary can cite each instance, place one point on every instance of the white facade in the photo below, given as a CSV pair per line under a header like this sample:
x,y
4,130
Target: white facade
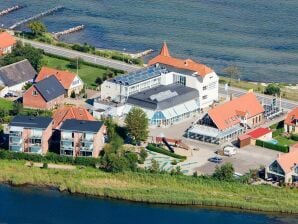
x,y
207,86
16,89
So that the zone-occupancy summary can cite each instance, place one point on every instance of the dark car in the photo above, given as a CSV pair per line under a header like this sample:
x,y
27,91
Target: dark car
x,y
215,159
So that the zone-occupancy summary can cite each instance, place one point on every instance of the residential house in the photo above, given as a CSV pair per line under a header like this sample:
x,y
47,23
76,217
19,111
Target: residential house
x,y
14,77
7,42
70,81
82,138
45,94
30,134
228,120
70,112
285,167
291,122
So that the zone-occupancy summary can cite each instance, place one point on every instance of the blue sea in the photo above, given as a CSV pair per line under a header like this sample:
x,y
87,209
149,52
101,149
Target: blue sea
x,y
32,205
258,36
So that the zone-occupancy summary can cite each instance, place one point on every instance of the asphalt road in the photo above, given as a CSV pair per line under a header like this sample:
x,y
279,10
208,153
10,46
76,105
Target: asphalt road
x,y
86,57
286,104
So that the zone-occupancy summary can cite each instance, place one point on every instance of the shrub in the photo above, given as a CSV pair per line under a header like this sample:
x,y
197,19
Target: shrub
x,y
224,172
269,145
294,137
153,148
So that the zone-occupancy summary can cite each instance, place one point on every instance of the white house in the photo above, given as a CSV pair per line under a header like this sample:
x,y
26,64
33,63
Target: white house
x,y
14,77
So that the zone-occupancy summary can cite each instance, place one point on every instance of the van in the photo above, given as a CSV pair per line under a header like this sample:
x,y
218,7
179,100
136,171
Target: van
x,y
229,150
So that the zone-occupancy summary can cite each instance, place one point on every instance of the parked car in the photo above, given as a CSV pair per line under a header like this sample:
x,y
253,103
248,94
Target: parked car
x,y
229,150
215,159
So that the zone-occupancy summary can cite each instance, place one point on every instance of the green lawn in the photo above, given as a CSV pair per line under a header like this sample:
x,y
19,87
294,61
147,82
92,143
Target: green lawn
x,y
284,141
87,73
6,104
154,188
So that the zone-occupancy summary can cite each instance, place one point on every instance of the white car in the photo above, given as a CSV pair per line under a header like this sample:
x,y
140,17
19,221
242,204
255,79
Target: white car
x,y
229,150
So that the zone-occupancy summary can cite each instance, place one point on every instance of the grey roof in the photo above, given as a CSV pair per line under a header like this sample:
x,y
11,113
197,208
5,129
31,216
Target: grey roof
x,y
17,73
163,97
81,125
50,88
31,122
139,76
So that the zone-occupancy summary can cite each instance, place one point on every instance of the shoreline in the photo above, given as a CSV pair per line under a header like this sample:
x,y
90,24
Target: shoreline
x,y
119,199
152,188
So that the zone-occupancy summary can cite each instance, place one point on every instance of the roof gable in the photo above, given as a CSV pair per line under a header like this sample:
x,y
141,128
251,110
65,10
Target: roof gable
x,y
165,58
228,114
17,73
6,40
65,113
291,116
50,88
65,77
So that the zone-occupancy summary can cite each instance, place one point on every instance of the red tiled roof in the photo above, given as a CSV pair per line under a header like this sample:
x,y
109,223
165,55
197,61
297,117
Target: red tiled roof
x,y
165,58
292,115
65,77
287,161
259,132
6,40
70,112
227,115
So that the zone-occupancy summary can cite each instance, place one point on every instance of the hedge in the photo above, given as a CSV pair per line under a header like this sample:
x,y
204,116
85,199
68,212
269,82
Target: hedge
x,y
49,158
269,145
294,137
154,148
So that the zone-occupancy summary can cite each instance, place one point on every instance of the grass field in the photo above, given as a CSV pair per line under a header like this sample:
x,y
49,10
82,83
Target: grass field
x,y
6,104
87,73
154,188
284,141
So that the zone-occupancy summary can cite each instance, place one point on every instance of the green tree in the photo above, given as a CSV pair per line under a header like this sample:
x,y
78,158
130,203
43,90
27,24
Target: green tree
x,y
98,80
224,172
272,89
75,63
37,28
137,124
232,72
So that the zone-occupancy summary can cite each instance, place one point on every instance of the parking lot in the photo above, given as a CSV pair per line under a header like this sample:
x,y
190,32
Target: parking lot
x,y
250,157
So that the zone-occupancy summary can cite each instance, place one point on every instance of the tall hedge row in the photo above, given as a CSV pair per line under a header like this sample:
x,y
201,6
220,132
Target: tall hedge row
x,y
49,158
269,145
154,148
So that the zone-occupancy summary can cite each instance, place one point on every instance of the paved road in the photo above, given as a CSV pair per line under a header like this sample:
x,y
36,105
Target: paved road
x,y
86,57
286,104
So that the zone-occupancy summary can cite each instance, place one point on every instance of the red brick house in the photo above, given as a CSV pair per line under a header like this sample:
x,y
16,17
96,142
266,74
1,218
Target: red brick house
x,y
45,95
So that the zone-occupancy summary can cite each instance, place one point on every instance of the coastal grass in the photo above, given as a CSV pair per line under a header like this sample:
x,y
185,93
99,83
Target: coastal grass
x,y
87,73
6,104
154,188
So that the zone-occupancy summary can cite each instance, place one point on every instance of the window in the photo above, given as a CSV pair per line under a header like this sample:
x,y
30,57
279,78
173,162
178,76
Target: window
x,y
34,93
204,87
205,97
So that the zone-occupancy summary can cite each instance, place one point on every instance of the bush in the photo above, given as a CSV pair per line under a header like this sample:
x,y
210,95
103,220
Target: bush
x,y
269,145
294,137
153,148
224,172
49,158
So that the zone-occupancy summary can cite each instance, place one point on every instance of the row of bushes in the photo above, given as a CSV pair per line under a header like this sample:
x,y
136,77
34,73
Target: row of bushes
x,y
154,148
269,145
49,158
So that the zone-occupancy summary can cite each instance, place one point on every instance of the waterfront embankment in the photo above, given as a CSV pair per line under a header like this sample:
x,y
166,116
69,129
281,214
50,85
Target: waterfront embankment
x,y
154,188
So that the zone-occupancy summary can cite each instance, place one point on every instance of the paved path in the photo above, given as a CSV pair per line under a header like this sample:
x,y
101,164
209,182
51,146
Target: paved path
x,y
86,57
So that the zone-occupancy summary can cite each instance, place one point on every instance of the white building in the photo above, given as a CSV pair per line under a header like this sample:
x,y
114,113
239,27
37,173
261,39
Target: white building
x,y
14,77
160,85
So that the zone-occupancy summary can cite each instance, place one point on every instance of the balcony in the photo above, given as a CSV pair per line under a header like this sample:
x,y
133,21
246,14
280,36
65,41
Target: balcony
x,y
35,149
16,148
15,140
87,149
66,152
15,134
